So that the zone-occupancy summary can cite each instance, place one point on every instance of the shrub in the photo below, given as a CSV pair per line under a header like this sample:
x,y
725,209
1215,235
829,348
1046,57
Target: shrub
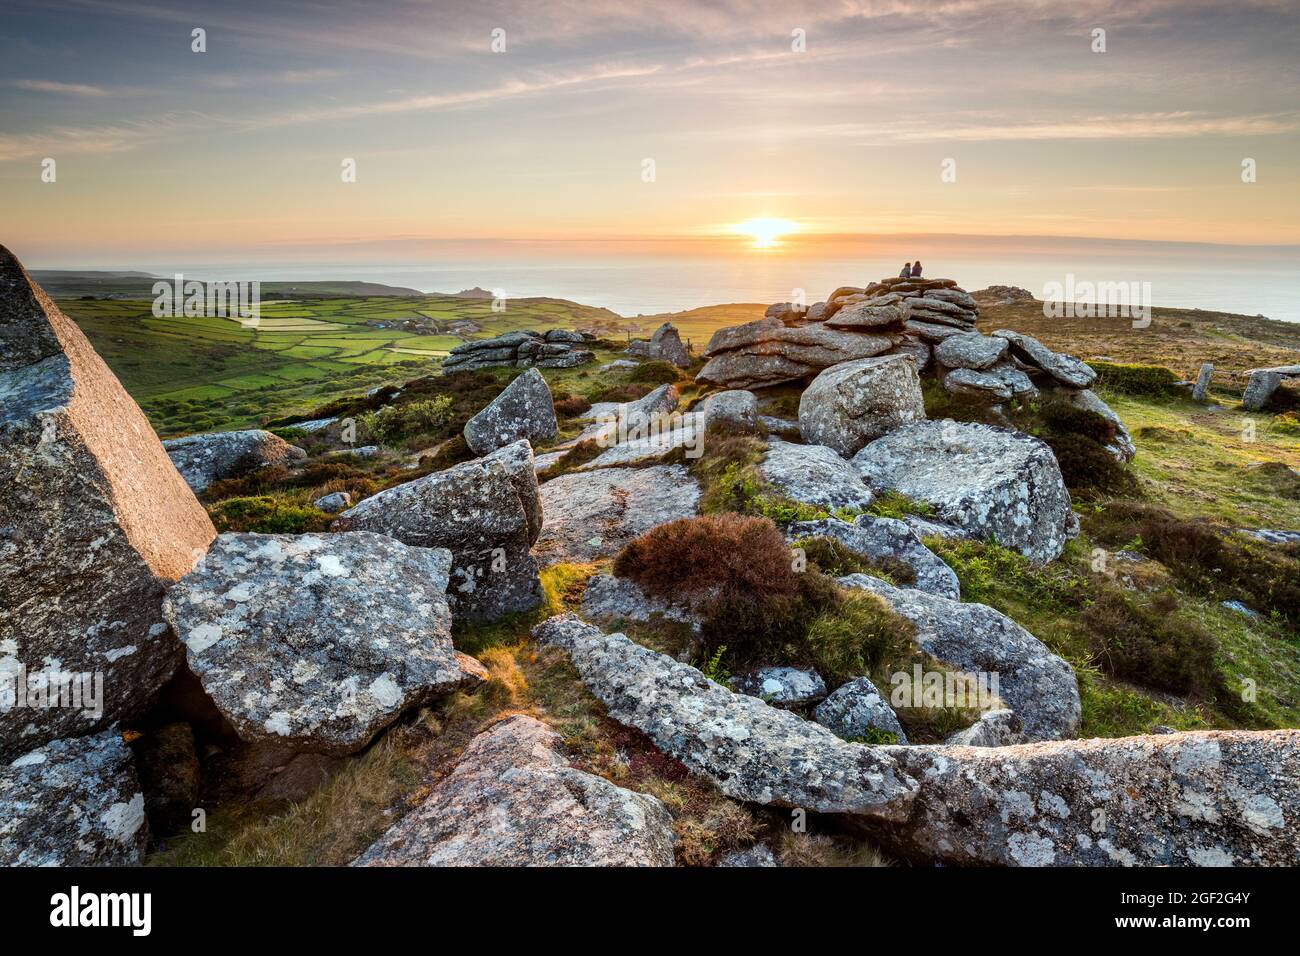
x,y
1287,423
1151,644
655,373
392,423
1152,380
859,636
568,405
267,515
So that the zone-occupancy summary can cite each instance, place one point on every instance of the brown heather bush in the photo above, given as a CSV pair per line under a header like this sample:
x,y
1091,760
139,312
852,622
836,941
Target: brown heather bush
x,y
746,557
1148,642
568,405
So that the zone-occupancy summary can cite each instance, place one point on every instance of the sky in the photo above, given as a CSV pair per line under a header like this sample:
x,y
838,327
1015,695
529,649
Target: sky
x,y
547,146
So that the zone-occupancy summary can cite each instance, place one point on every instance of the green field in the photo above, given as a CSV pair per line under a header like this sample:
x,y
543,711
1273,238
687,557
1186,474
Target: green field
x,y
198,374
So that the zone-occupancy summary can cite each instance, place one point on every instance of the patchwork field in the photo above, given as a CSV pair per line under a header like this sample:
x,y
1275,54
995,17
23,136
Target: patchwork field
x,y
198,374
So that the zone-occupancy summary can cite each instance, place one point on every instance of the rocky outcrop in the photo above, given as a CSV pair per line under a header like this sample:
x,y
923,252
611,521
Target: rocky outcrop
x,y
858,712
849,405
878,539
513,800
975,639
1212,798
813,475
213,456
524,409
487,512
783,686
72,802
95,521
970,350
734,411
1065,369
318,642
554,348
665,345
750,750
1000,383
594,514
1263,382
995,483
768,352
1002,295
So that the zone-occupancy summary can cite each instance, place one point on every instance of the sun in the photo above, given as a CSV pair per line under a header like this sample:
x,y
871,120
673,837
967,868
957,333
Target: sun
x,y
766,232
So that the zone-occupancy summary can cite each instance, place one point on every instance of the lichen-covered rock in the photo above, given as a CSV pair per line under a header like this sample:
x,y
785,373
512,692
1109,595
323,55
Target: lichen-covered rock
x,y
1066,369
869,314
734,410
213,456
852,403
684,432
513,800
857,712
783,686
1202,382
553,348
1263,382
72,802
524,409
95,521
1121,446
768,352
665,345
750,750
814,475
627,416
758,855
995,728
1209,798
318,642
487,512
876,538
593,514
995,483
997,384
614,600
975,639
334,502
973,351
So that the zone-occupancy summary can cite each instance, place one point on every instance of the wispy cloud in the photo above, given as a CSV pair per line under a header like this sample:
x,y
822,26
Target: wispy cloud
x,y
54,86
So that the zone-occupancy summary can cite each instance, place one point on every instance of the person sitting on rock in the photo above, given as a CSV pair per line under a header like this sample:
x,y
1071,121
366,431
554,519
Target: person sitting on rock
x,y
916,269
907,271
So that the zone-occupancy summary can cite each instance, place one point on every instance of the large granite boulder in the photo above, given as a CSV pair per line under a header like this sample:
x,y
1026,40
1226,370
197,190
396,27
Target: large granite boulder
x,y
487,512
665,345
594,514
995,483
975,639
813,475
318,642
95,521
858,712
1263,382
1065,369
1000,383
212,456
1209,798
971,350
72,802
750,750
524,409
733,411
877,538
768,352
854,402
513,800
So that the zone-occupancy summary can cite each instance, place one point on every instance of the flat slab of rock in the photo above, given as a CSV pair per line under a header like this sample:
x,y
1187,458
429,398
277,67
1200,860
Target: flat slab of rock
x,y
997,384
750,750
318,642
686,433
614,600
72,802
875,538
975,639
1209,798
855,402
524,409
857,711
995,483
973,351
487,512
814,475
95,521
513,800
1066,369
768,352
594,514
212,456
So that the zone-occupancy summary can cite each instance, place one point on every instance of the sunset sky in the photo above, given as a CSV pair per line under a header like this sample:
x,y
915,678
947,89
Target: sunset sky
x,y
459,150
